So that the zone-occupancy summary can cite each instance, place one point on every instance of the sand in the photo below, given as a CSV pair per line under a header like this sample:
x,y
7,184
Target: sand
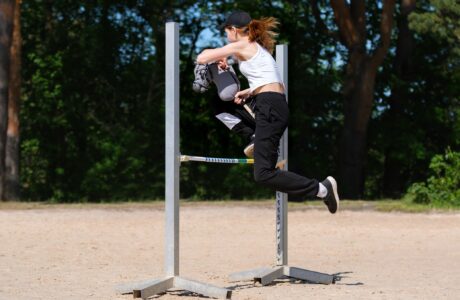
x,y
83,253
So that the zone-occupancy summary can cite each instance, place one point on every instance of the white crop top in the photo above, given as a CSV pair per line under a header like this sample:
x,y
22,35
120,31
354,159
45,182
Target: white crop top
x,y
261,69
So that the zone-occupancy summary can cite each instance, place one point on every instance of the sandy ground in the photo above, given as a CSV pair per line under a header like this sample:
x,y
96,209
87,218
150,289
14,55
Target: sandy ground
x,y
67,253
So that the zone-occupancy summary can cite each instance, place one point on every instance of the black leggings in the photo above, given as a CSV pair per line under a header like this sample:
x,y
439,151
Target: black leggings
x,y
272,114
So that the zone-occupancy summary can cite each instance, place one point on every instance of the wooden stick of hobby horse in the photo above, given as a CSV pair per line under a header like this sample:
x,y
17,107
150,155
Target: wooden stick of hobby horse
x,y
249,110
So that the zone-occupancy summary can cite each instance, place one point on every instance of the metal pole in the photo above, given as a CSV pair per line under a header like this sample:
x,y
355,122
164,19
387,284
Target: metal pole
x,y
172,155
281,198
146,289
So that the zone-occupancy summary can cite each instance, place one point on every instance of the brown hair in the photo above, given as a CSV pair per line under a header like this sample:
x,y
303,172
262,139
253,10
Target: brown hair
x,y
262,32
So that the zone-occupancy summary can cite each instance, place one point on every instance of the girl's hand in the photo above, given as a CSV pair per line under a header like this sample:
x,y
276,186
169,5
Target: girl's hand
x,y
241,96
222,64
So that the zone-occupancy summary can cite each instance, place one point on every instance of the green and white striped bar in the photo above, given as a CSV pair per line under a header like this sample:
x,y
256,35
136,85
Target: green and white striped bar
x,y
218,160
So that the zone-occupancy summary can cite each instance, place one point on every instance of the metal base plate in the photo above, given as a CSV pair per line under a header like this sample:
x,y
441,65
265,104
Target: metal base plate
x,y
149,288
268,275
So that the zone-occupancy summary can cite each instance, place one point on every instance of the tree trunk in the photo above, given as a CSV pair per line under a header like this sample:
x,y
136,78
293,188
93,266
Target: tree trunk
x,y
6,29
12,183
358,90
359,98
393,173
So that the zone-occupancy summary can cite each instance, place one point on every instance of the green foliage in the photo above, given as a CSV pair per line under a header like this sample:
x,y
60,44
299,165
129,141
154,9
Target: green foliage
x,y
416,114
33,169
442,188
443,22
92,109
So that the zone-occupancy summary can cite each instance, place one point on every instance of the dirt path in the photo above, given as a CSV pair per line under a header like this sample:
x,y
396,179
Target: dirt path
x,y
83,253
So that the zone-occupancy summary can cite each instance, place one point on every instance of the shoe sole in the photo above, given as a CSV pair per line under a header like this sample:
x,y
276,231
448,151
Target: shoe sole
x,y
334,189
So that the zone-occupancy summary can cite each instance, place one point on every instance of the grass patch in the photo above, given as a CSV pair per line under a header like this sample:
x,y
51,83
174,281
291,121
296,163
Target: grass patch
x,y
52,205
406,206
353,205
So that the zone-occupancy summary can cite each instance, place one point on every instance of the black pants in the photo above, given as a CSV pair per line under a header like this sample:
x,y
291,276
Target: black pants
x,y
272,115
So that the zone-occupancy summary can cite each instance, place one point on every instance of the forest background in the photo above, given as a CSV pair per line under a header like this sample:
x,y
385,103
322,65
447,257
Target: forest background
x,y
373,92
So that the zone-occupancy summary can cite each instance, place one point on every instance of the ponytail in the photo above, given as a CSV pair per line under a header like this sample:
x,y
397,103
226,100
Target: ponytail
x,y
262,32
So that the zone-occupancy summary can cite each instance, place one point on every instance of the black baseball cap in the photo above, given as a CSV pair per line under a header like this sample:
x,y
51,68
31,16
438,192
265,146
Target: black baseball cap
x,y
238,19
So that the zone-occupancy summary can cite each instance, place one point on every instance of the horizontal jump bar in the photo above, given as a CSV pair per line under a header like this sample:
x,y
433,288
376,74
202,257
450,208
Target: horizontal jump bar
x,y
219,160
